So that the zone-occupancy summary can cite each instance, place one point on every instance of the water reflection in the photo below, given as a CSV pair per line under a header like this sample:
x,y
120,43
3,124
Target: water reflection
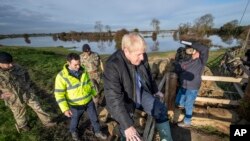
x,y
155,46
100,45
162,43
223,42
227,39
103,45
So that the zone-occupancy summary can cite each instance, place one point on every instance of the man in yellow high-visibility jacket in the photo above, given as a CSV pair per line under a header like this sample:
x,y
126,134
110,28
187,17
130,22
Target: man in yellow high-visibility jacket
x,y
73,93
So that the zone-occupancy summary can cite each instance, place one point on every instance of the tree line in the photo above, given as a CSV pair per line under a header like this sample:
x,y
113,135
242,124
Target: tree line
x,y
203,27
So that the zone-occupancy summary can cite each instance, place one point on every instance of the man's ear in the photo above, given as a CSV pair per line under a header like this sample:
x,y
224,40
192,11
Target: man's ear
x,y
68,62
126,51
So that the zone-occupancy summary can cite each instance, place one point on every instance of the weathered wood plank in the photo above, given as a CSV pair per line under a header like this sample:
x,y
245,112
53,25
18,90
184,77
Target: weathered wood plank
x,y
147,128
223,79
217,101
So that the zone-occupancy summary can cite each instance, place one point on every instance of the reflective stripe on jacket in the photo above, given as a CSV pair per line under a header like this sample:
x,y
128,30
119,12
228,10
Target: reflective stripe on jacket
x,y
70,90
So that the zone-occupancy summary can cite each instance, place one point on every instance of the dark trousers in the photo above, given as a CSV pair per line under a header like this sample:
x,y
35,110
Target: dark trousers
x,y
77,112
152,106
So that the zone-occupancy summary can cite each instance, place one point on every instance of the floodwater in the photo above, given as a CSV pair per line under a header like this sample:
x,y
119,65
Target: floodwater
x,y
164,42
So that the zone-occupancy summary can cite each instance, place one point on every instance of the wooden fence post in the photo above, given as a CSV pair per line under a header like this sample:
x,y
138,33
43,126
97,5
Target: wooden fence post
x,y
166,94
247,91
171,92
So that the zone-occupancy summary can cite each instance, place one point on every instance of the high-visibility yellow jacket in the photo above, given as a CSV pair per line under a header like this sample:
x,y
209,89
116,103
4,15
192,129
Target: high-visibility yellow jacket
x,y
70,90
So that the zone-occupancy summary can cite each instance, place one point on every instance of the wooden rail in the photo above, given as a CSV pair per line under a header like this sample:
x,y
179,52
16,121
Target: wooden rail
x,y
234,80
224,79
217,101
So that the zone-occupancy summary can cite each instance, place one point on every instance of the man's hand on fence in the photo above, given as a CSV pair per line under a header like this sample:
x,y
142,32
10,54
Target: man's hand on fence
x,y
132,135
160,95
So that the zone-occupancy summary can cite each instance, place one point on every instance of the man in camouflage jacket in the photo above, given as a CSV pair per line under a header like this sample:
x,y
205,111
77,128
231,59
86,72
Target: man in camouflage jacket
x,y
16,90
92,62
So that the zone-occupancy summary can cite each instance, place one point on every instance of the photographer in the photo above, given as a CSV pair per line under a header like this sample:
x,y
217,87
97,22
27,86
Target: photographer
x,y
190,62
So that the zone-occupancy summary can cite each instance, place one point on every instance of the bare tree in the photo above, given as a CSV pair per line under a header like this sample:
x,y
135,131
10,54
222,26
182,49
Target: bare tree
x,y
203,24
156,25
118,37
136,30
26,38
230,27
55,37
184,28
108,28
154,36
98,26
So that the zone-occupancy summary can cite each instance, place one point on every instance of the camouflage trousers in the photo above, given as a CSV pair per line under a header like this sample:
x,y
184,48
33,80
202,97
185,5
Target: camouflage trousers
x,y
19,110
96,79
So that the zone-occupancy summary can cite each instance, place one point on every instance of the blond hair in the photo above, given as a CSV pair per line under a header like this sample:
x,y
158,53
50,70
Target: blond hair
x,y
133,41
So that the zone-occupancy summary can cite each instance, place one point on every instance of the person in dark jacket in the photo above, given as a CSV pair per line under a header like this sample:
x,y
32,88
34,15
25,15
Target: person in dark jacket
x,y
189,74
128,84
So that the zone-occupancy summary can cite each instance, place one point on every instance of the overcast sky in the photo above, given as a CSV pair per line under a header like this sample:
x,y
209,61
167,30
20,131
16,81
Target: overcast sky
x,y
51,16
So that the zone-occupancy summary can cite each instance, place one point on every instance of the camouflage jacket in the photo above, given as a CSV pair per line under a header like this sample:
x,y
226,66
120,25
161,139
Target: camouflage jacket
x,y
91,62
16,81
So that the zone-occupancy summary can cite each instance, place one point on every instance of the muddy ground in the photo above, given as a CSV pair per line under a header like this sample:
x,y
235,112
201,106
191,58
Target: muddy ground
x,y
61,133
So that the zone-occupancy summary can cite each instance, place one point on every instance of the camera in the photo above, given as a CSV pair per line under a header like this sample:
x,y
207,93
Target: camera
x,y
182,55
